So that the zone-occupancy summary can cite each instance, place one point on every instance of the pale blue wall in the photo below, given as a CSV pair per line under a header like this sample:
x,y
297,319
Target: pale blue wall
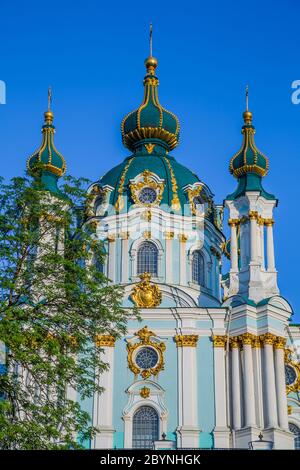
x,y
206,399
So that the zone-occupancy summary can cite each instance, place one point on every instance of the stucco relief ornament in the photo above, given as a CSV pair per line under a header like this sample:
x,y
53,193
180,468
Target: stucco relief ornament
x,y
145,294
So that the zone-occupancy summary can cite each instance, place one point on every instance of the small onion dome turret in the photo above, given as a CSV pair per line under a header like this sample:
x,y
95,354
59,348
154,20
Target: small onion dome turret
x,y
150,123
47,162
248,159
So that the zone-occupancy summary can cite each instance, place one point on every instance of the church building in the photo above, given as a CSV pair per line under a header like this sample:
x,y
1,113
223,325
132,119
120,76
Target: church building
x,y
213,361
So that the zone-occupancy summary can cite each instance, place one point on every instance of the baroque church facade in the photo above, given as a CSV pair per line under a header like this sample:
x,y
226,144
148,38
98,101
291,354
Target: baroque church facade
x,y
213,362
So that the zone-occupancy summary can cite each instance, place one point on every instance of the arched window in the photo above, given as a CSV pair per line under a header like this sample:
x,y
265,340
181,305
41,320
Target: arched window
x,y
198,268
147,259
145,428
296,431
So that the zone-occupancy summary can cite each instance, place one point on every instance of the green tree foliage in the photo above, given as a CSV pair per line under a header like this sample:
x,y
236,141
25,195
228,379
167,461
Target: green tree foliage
x,y
54,302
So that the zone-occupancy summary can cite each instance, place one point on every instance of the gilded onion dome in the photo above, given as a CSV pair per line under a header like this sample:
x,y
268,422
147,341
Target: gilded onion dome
x,y
47,161
249,165
248,159
150,124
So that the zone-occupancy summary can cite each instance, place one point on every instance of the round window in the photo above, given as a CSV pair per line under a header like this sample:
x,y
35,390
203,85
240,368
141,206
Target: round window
x,y
290,375
146,358
147,196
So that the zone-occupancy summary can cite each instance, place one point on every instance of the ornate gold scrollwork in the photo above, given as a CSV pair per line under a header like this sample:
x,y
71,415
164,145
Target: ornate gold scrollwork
x,y
145,336
145,294
148,181
196,192
145,392
295,386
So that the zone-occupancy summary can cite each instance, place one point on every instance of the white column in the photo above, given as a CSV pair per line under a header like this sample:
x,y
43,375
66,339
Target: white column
x,y
262,244
221,430
256,352
189,430
270,245
235,384
269,375
249,396
183,259
280,384
112,258
103,402
253,236
124,258
233,244
169,268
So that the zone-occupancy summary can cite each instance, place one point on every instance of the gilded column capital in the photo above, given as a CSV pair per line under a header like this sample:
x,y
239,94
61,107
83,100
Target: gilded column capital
x,y
219,341
246,338
260,220
111,237
234,342
124,235
182,237
256,342
186,341
253,215
268,338
169,235
233,222
105,340
269,222
280,342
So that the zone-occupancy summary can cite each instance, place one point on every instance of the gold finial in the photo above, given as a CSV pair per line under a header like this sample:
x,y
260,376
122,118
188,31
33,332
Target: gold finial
x,y
48,114
150,62
247,115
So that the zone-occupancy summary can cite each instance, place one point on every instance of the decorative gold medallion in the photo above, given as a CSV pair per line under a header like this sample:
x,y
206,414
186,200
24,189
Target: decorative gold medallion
x,y
144,294
147,192
146,342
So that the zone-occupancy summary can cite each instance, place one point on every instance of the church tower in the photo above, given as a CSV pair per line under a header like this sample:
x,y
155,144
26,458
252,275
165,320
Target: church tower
x,y
258,316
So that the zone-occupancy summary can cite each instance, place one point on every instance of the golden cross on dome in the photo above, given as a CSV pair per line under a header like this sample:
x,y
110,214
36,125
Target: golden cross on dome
x,y
150,39
247,98
49,98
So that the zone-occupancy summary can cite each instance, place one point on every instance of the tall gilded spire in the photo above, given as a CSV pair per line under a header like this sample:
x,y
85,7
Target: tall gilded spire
x,y
47,162
150,128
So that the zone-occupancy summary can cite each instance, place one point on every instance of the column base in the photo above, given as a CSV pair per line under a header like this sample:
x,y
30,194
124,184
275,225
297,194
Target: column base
x,y
243,437
104,438
222,438
188,437
281,439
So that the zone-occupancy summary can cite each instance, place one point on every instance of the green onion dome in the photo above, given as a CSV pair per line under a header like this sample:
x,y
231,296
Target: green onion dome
x,y
248,159
249,165
46,161
150,124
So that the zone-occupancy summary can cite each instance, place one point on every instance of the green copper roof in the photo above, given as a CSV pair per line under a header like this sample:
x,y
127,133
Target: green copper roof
x,y
176,179
150,122
247,183
46,162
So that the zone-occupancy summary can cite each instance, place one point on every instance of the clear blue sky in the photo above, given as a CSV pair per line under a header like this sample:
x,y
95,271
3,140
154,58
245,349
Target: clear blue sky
x,y
92,54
